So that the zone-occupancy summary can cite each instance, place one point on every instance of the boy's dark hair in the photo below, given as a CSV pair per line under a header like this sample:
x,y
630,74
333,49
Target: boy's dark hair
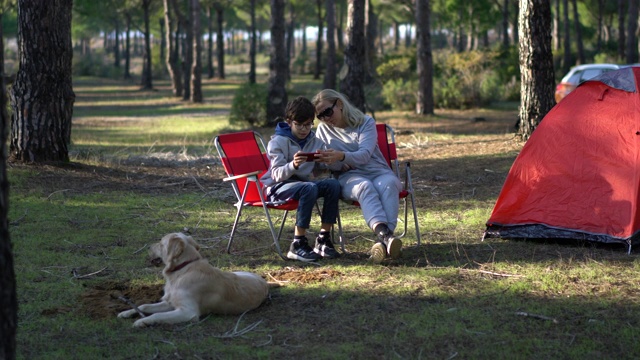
x,y
299,110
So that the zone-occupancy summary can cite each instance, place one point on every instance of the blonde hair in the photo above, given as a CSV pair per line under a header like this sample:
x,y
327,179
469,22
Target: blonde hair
x,y
351,114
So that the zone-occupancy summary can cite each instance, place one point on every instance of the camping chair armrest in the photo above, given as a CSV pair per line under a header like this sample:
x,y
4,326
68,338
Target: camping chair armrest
x,y
253,173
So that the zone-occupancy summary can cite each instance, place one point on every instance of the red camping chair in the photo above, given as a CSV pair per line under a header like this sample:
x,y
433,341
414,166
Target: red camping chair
x,y
387,144
243,156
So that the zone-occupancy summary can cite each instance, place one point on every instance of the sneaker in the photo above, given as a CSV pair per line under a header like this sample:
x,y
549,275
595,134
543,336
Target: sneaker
x,y
378,252
394,247
300,250
392,244
324,247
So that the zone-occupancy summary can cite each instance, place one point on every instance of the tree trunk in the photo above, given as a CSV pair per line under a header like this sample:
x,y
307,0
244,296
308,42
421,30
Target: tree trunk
x,y
278,70
146,80
8,297
621,26
505,24
318,69
632,43
252,44
210,70
220,40
371,29
566,63
290,41
536,64
175,73
352,76
330,74
127,49
578,26
42,95
196,66
116,45
424,104
556,27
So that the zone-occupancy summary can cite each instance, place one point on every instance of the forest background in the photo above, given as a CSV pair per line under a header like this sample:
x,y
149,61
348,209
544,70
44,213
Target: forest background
x,y
91,218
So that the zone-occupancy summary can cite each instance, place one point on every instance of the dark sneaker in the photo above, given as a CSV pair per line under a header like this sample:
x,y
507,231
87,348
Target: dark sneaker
x,y
378,253
394,247
301,251
324,247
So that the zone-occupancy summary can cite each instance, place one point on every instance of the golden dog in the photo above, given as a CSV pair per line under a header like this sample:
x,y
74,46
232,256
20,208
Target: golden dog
x,y
193,287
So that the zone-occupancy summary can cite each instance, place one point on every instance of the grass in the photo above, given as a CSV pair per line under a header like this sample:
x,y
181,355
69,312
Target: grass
x,y
143,165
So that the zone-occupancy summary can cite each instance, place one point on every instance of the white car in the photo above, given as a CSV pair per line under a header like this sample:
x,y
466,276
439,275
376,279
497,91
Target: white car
x,y
581,73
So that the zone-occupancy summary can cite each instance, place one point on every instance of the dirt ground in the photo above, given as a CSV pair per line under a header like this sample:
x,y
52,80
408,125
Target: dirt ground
x,y
442,166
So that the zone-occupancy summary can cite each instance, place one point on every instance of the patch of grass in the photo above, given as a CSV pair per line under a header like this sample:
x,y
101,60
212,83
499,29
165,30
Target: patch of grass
x,y
143,166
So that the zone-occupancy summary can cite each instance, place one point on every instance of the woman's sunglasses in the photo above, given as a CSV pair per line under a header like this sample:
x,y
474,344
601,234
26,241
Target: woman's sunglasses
x,y
326,113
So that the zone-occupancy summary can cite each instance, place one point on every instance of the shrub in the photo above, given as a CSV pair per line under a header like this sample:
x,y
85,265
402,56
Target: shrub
x,y
400,94
249,105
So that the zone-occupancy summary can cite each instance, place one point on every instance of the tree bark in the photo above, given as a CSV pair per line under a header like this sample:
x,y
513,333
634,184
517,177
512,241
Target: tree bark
x,y
127,49
196,65
632,42
536,64
278,69
566,63
371,33
354,56
330,74
505,24
210,68
318,69
146,80
175,73
621,29
220,40
425,101
8,297
578,26
42,95
252,45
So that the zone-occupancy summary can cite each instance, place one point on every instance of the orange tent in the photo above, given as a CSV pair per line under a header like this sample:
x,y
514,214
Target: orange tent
x,y
577,177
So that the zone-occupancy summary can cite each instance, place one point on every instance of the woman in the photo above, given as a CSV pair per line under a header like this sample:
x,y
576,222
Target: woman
x,y
362,169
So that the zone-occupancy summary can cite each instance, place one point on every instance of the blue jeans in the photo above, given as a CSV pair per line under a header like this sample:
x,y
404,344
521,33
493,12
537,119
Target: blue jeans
x,y
307,192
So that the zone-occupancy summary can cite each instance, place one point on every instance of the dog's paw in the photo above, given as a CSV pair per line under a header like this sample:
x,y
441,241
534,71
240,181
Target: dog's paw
x,y
127,314
140,324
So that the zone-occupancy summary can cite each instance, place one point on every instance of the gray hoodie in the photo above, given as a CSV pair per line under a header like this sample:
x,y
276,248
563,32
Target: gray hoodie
x,y
280,150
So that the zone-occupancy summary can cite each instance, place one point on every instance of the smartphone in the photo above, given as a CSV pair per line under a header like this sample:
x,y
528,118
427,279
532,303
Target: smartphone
x,y
310,156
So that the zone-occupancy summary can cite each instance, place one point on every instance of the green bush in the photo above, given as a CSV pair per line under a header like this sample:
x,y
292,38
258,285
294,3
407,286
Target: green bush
x,y
400,94
467,79
93,64
395,68
249,105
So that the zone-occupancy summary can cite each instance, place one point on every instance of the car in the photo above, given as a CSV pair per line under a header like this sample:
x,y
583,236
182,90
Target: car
x,y
581,73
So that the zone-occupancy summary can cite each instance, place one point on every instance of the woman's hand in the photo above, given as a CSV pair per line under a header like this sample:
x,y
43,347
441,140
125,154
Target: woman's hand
x,y
330,156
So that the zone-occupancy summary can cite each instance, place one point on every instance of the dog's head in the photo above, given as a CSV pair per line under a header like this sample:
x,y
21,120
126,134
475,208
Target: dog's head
x,y
176,249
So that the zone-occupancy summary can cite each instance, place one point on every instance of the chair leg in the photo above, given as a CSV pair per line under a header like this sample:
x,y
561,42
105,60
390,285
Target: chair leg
x,y
415,218
233,229
409,185
340,236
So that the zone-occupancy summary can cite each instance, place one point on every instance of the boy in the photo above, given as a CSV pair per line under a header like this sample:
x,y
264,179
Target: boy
x,y
291,176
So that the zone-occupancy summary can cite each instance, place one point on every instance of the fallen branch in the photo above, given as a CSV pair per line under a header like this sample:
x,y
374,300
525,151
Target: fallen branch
x,y
132,304
235,332
142,248
76,276
498,274
536,316
17,221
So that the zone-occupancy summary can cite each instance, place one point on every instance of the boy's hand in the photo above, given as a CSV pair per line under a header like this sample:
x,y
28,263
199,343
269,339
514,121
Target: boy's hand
x,y
299,159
